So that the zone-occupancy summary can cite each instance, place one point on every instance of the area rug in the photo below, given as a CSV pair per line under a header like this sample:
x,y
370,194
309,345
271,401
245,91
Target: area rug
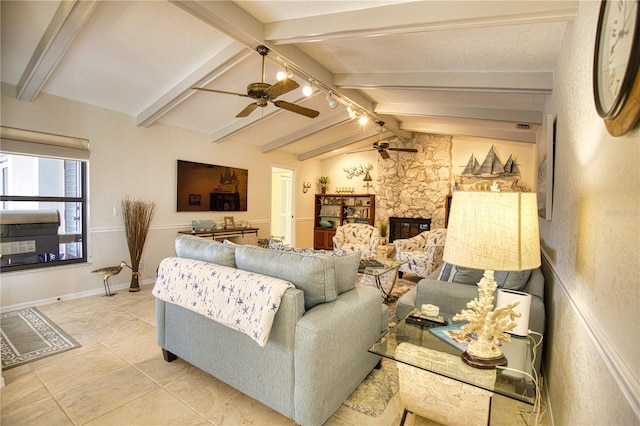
x,y
28,335
401,286
374,393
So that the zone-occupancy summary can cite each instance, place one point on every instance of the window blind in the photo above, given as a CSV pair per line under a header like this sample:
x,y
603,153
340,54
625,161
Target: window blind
x,y
28,142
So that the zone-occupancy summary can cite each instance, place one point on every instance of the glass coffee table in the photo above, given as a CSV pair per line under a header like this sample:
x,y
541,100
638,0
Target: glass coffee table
x,y
425,358
383,272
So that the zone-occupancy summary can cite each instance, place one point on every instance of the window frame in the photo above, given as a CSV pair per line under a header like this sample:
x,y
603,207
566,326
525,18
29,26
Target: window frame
x,y
64,148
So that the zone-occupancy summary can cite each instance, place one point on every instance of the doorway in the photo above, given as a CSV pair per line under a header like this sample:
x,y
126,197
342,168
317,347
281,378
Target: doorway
x,y
282,203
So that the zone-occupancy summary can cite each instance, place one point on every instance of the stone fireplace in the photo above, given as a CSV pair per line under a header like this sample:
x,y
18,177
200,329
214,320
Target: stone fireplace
x,y
416,185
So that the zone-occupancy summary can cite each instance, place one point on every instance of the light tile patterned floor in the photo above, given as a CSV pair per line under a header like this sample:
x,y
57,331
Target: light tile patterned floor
x,y
118,377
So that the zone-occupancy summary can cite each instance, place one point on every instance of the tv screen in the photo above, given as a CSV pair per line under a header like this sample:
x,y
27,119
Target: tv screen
x,y
207,187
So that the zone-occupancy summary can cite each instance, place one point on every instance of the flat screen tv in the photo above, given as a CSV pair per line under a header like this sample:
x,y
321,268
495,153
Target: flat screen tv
x,y
207,187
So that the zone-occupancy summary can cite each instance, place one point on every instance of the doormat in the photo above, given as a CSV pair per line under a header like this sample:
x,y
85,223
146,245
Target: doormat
x,y
28,335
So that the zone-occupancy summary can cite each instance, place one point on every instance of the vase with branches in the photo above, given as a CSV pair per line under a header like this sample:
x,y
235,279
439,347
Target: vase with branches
x,y
137,217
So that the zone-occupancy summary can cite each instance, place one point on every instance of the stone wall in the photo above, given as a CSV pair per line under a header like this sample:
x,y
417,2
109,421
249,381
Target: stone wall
x,y
415,185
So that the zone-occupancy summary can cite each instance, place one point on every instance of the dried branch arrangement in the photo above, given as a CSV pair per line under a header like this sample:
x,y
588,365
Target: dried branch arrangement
x,y
137,217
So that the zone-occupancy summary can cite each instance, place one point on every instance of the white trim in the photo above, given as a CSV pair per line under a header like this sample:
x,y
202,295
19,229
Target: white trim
x,y
73,296
619,370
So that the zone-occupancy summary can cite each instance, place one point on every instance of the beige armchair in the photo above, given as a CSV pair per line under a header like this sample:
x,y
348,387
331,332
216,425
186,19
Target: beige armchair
x,y
423,253
357,237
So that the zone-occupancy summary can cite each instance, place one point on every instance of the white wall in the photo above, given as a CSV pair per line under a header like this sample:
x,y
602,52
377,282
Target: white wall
x,y
591,248
140,163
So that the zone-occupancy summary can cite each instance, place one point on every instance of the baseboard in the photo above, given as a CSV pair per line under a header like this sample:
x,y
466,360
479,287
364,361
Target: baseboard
x,y
619,370
73,296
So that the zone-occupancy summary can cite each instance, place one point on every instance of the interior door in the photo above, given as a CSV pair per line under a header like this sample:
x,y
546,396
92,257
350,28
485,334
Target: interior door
x,y
282,202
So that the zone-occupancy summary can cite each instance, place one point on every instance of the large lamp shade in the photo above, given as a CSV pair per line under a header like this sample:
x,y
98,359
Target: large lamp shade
x,y
493,231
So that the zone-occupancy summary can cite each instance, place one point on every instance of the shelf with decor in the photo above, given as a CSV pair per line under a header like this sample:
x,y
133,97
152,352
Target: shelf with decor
x,y
333,210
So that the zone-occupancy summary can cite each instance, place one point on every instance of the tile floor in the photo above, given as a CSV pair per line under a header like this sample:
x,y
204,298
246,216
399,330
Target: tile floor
x,y
118,377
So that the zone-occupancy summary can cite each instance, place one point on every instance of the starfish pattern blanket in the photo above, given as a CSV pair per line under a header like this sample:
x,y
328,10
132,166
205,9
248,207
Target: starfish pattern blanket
x,y
242,300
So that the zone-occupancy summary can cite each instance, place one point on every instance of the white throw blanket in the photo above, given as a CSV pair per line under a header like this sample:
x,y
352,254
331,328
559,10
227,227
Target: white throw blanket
x,y
244,301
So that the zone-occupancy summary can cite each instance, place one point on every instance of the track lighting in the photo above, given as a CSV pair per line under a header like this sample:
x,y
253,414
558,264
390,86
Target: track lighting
x,y
332,102
281,75
363,120
352,113
308,90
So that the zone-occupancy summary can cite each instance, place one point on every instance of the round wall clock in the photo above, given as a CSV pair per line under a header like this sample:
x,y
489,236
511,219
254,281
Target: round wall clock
x,y
616,71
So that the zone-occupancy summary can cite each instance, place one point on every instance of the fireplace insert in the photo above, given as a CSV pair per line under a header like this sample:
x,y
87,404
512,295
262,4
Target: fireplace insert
x,y
407,227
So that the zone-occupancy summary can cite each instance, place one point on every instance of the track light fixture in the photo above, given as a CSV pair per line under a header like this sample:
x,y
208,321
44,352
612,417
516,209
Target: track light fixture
x,y
334,98
333,104
308,90
352,112
363,120
281,75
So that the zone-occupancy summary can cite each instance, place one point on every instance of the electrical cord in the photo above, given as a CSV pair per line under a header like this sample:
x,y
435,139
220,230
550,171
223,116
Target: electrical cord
x,y
537,403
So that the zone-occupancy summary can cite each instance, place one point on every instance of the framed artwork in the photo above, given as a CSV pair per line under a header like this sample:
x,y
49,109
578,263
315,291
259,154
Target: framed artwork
x,y
546,151
194,199
229,222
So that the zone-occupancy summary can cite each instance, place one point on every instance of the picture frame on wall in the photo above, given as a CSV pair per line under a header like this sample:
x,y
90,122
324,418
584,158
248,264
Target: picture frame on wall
x,y
546,151
194,199
229,222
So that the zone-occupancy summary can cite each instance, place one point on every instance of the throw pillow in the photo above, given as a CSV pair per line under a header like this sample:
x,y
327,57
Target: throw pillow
x,y
512,280
314,275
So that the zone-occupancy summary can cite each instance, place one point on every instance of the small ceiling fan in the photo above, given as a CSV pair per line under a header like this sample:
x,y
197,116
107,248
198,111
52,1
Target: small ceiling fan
x,y
264,93
383,147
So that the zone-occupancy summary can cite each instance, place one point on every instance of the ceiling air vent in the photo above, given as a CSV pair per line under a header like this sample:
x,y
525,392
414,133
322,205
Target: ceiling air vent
x,y
523,126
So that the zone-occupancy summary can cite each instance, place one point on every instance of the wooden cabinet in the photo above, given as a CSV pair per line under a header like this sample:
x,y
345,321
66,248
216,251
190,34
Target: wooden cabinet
x,y
323,238
333,210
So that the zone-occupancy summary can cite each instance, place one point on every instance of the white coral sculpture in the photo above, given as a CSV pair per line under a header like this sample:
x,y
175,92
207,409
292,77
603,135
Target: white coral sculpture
x,y
489,325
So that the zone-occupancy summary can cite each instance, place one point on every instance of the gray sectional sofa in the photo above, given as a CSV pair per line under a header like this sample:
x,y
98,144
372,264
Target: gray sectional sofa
x,y
316,354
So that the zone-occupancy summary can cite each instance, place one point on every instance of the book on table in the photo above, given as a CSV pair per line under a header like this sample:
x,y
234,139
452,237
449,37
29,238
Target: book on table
x,y
452,335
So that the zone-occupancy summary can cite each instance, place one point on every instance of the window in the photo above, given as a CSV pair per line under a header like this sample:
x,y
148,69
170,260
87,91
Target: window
x,y
43,200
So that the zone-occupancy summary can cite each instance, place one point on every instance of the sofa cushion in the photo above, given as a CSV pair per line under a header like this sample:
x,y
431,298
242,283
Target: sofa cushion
x,y
512,280
314,275
206,250
346,263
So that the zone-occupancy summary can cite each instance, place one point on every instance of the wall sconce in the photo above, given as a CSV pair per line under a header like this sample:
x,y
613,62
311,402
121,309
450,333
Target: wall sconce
x,y
306,186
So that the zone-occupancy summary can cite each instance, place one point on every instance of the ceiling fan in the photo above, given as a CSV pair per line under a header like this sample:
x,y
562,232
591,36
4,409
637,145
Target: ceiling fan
x,y
264,92
383,147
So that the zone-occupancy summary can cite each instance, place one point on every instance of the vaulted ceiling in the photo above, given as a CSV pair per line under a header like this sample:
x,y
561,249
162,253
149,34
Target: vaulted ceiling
x,y
478,68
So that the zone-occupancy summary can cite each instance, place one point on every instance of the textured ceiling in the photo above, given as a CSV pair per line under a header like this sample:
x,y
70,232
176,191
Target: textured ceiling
x,y
465,67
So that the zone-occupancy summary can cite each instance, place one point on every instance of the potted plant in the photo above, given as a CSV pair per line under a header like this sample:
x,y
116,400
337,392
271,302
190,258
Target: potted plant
x,y
383,232
324,183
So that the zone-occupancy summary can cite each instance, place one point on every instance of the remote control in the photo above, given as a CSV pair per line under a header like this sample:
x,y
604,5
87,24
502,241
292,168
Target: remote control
x,y
422,319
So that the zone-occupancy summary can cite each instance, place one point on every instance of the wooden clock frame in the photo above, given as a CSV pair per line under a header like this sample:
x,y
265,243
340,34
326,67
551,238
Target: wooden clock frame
x,y
625,111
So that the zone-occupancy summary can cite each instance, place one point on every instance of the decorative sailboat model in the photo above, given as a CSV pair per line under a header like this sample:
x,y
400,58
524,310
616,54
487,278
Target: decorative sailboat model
x,y
490,167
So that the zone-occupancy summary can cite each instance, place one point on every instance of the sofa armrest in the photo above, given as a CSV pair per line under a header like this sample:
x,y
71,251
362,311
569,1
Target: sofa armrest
x,y
452,298
337,241
331,351
409,244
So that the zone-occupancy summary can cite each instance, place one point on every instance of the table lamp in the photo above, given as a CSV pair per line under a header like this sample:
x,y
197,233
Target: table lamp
x,y
492,231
